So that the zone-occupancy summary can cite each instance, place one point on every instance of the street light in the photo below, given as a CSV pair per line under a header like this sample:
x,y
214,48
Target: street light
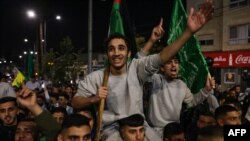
x,y
58,18
26,40
31,13
42,41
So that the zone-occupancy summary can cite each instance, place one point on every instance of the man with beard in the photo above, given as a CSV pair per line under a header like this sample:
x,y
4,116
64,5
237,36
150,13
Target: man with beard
x,y
8,116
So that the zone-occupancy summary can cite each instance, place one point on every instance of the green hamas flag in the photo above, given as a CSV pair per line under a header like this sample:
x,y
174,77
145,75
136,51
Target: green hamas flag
x,y
120,22
193,67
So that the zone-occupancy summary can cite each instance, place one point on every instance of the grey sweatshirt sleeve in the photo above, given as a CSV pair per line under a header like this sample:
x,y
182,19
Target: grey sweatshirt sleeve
x,y
141,54
192,100
147,66
89,86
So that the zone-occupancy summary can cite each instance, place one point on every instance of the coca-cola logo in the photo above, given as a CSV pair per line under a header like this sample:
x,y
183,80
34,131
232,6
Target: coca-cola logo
x,y
242,59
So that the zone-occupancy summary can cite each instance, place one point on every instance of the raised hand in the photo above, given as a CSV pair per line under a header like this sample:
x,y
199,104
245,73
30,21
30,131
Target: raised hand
x,y
210,83
197,19
157,32
26,97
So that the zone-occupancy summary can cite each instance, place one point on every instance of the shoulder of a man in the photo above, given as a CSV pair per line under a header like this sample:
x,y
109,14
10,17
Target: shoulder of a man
x,y
95,75
90,83
152,57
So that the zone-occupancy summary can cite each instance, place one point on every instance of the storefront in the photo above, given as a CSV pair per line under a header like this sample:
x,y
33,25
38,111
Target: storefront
x,y
232,67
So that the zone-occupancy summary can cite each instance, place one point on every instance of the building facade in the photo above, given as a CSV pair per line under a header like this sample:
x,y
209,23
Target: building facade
x,y
226,39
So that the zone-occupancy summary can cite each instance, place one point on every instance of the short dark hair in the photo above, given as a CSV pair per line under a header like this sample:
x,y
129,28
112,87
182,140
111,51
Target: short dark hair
x,y
117,35
133,121
222,110
177,56
74,120
235,86
210,132
87,108
54,95
63,94
59,109
35,131
8,99
233,102
206,113
171,129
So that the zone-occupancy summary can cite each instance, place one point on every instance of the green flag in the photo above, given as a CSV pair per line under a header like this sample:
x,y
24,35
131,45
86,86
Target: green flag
x,y
30,66
193,67
116,23
120,22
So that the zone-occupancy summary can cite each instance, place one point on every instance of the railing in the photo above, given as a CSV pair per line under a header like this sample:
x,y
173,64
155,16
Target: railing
x,y
239,3
236,41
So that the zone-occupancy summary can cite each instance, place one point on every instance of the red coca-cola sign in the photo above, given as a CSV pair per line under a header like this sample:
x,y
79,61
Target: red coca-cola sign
x,y
230,59
242,59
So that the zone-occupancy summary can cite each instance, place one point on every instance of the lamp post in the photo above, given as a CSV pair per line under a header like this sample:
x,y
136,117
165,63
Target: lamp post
x,y
42,38
58,18
90,22
24,61
32,15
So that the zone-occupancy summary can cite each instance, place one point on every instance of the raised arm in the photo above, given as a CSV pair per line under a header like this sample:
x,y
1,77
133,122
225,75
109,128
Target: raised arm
x,y
196,20
27,98
156,35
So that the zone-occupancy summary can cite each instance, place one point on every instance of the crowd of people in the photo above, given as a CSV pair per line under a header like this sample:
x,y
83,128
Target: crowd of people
x,y
42,110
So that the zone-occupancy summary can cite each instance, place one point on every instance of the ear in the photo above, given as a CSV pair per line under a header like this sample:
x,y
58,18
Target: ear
x,y
162,69
59,137
121,132
165,139
129,53
220,122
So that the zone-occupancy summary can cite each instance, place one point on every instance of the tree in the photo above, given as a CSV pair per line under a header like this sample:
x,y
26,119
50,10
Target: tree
x,y
64,64
48,63
140,42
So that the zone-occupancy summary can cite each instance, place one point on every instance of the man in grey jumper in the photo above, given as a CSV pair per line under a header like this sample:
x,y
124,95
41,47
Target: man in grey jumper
x,y
123,95
168,94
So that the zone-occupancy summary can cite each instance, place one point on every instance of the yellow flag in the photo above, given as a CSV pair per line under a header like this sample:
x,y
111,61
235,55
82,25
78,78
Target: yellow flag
x,y
19,78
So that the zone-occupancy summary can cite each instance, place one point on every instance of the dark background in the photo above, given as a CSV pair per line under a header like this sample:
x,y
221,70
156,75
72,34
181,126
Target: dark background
x,y
15,25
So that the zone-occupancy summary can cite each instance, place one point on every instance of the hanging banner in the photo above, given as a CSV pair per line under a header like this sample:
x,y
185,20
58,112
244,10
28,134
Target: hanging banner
x,y
229,59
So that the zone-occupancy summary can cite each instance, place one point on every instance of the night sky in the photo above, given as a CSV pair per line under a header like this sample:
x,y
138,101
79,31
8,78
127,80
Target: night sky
x,y
15,25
